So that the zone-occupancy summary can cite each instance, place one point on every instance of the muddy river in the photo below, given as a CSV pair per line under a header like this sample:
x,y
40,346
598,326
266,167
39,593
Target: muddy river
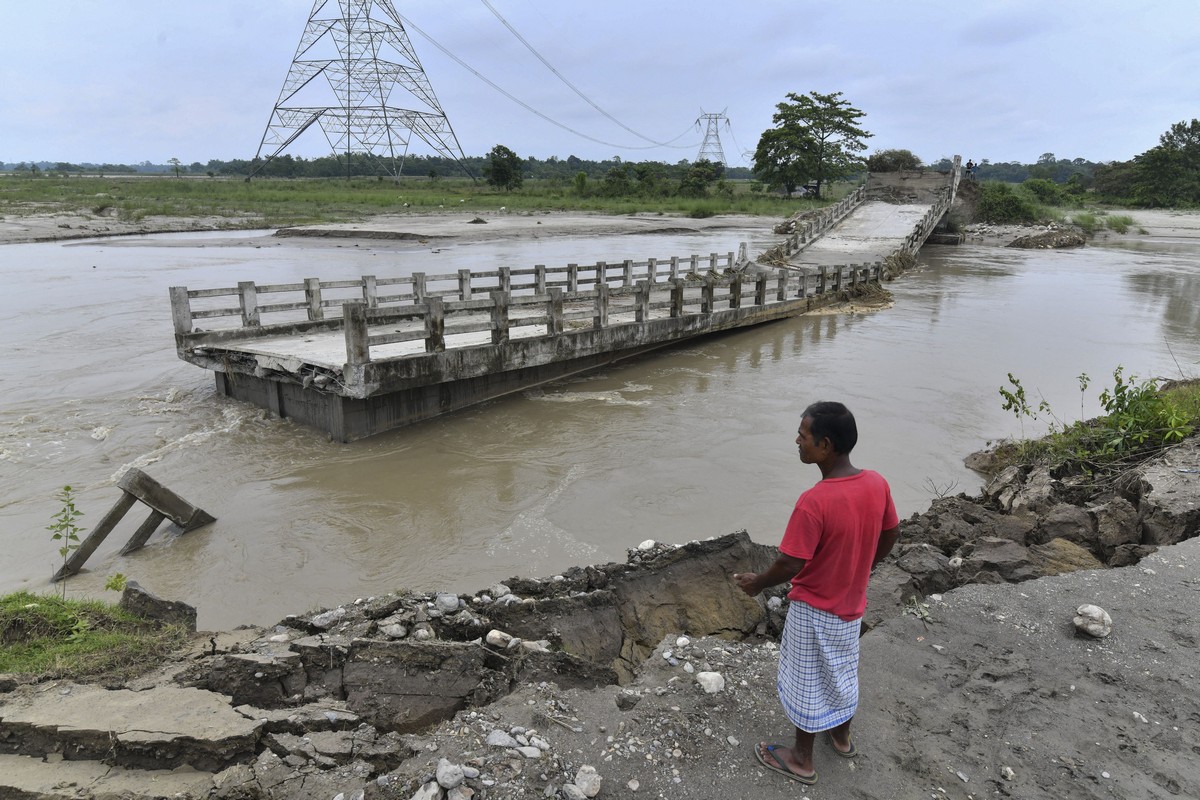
x,y
689,443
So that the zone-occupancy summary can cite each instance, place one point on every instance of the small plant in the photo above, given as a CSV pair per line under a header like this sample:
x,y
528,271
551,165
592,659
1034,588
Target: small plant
x,y
64,528
1014,401
116,583
920,610
1119,223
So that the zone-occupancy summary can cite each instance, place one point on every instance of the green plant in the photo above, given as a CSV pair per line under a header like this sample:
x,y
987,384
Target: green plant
x,y
1087,221
920,610
116,583
1119,223
63,526
1000,204
1014,401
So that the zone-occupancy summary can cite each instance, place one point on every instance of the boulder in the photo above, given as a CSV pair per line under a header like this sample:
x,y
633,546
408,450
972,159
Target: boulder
x,y
1061,555
142,603
1068,522
1001,558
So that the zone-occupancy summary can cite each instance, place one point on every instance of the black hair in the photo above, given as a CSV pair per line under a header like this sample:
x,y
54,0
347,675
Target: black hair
x,y
833,421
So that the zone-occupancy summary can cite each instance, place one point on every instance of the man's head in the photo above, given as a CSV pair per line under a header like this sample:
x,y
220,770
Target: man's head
x,y
829,421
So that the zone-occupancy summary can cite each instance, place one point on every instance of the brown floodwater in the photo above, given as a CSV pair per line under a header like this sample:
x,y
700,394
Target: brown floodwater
x,y
688,443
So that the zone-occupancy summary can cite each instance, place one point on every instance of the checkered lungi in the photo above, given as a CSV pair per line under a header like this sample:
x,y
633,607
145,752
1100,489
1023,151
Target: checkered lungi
x,y
818,668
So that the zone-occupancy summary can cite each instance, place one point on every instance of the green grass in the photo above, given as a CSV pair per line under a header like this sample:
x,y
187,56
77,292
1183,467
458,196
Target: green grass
x,y
45,637
273,202
1119,223
1085,220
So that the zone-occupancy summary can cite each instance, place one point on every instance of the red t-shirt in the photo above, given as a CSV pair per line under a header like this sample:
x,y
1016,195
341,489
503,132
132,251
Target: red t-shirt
x,y
835,528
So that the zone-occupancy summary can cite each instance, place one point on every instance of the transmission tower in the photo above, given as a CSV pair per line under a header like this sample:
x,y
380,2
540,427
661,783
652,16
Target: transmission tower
x,y
356,76
710,148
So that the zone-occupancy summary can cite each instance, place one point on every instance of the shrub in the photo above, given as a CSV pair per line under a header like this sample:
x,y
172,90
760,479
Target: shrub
x,y
1119,223
1000,204
1045,191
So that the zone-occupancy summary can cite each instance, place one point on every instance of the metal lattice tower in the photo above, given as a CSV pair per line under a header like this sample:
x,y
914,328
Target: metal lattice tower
x,y
710,148
355,74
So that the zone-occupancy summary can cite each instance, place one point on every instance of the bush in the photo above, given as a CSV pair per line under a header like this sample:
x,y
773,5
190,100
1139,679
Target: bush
x,y
1000,204
1045,191
1119,223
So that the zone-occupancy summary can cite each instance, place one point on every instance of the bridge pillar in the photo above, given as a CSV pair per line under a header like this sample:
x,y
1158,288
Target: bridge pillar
x,y
554,312
464,284
600,320
641,302
435,326
248,300
499,317
370,291
312,296
676,295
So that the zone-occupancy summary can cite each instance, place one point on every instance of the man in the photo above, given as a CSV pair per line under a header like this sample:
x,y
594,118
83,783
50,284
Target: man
x,y
839,530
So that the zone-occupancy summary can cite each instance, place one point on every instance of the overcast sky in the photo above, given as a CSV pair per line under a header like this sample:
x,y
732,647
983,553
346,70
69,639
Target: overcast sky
x,y
124,81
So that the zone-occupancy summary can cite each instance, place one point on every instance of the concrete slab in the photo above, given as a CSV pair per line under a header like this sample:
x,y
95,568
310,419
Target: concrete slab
x,y
870,234
160,727
28,777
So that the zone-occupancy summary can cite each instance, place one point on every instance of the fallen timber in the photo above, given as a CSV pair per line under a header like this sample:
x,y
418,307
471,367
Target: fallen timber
x,y
359,357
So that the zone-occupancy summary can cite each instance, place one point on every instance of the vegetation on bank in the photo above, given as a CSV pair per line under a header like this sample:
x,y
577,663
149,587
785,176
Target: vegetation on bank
x,y
271,202
1141,418
45,637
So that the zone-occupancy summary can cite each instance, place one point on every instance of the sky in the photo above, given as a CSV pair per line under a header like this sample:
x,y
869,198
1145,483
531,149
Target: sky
x,y
126,81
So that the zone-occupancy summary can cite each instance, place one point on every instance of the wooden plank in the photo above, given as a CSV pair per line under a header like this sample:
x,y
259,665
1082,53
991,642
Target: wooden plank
x,y
81,554
161,499
138,540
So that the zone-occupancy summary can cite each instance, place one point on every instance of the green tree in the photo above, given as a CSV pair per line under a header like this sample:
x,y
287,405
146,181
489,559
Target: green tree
x,y
816,138
892,161
1169,174
176,166
503,169
699,177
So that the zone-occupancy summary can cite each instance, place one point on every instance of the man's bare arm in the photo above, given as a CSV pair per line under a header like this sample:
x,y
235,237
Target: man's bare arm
x,y
887,540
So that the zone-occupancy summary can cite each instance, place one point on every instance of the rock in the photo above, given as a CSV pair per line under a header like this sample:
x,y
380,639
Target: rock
x,y
446,602
711,682
1060,555
1116,524
1050,240
499,590
1007,773
647,545
1068,522
588,780
394,630
627,699
430,791
499,738
449,775
573,792
326,620
529,751
144,604
633,784
498,638
1002,558
1093,620
462,792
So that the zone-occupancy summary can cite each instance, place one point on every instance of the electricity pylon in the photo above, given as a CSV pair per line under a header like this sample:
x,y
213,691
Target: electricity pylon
x,y
356,76
710,148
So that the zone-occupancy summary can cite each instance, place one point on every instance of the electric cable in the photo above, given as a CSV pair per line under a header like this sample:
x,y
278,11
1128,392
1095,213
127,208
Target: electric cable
x,y
573,87
408,23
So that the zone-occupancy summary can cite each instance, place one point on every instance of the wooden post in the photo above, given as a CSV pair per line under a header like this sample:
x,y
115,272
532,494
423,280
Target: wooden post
x,y
712,262
499,317
539,279
676,296
419,290
506,279
249,303
641,302
435,325
652,270
600,320
674,268
464,284
572,278
554,312
136,485
731,263
707,294
735,292
781,288
760,290
181,309
823,281
695,263
628,273
370,291
601,273
312,296
358,352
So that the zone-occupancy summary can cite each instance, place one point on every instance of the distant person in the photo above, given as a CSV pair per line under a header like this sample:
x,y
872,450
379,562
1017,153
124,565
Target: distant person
x,y
971,169
839,530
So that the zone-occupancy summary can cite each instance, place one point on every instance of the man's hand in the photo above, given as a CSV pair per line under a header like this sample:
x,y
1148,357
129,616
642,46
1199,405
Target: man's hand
x,y
747,581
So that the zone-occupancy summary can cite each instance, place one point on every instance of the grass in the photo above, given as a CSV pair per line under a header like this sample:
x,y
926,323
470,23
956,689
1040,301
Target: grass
x,y
44,637
1119,223
272,202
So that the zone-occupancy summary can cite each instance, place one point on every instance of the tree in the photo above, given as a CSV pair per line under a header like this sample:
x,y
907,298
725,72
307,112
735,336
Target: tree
x,y
176,166
503,169
892,161
816,138
1169,174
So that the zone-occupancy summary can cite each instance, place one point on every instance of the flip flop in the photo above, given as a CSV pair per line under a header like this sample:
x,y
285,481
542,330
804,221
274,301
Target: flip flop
x,y
782,768
851,753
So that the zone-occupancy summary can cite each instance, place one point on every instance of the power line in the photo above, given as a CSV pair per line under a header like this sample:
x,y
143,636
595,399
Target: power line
x,y
576,89
409,23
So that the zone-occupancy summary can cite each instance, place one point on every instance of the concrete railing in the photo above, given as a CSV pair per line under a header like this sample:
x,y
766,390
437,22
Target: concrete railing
x,y
812,229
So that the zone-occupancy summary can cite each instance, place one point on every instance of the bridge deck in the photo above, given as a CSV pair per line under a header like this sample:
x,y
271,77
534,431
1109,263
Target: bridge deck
x,y
870,233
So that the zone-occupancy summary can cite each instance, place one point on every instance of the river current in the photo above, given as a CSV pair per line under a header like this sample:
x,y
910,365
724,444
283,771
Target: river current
x,y
687,443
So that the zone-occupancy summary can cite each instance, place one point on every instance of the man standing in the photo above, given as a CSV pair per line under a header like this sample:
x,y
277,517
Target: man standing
x,y
839,530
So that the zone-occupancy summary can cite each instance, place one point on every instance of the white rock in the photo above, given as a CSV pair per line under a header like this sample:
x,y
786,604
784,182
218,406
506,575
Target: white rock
x,y
539,743
423,634
329,618
279,637
498,638
646,545
1093,620
588,780
430,791
956,562
507,600
540,646
1140,717
394,631
470,772
688,668
530,752
445,602
1008,774
733,741
499,590
774,603
460,793
633,785
573,792
710,682
449,775
499,738
682,641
